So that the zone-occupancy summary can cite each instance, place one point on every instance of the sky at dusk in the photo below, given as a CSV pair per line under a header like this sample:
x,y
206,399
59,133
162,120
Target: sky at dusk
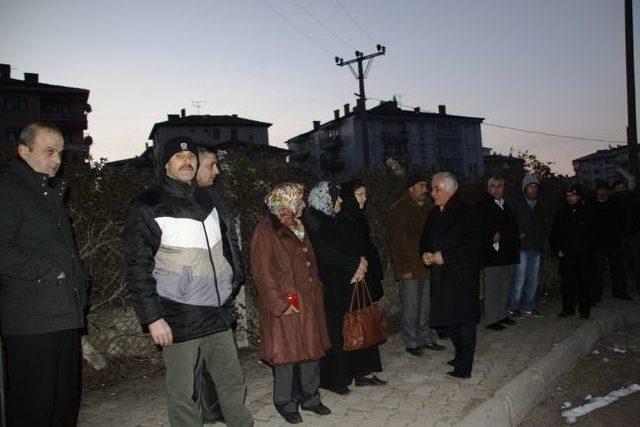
x,y
556,66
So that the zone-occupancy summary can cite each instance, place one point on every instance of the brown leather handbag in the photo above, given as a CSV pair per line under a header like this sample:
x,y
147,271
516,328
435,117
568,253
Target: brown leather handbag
x,y
362,325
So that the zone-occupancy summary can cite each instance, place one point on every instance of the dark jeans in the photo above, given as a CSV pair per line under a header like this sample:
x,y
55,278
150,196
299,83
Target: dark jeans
x,y
43,379
463,338
614,258
577,284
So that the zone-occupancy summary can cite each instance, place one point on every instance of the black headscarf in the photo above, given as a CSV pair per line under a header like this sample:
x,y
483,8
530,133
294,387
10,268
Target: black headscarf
x,y
350,205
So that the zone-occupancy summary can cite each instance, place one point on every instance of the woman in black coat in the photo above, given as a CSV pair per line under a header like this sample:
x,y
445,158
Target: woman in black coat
x,y
354,198
341,261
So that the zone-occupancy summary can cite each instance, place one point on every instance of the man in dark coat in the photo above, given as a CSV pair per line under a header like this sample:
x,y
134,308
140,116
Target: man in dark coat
x,y
609,250
451,246
500,252
631,237
43,286
209,196
572,240
179,272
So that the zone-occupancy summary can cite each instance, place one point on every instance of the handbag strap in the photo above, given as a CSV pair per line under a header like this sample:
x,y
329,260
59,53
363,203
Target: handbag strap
x,y
368,294
355,294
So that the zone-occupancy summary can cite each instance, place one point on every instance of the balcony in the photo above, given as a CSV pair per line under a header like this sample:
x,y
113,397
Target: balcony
x,y
331,164
331,143
401,136
299,156
78,118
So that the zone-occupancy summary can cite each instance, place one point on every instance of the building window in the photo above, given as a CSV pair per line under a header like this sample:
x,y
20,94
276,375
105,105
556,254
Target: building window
x,y
51,107
15,104
12,135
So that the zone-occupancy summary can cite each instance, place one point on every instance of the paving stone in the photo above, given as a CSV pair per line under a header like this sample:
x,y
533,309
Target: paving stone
x,y
418,391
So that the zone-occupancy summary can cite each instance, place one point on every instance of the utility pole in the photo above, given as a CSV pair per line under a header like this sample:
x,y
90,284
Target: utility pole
x,y
360,75
632,133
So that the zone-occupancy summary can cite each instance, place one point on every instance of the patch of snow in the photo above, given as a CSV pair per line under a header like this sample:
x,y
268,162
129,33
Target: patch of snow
x,y
572,415
617,349
566,405
587,397
595,352
605,359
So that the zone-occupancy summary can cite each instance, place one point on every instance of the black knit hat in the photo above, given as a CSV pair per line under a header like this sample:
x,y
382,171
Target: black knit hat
x,y
413,179
175,145
576,189
601,183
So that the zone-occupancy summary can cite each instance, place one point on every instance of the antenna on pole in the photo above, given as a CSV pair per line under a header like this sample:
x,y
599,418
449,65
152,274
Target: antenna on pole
x,y
360,75
197,104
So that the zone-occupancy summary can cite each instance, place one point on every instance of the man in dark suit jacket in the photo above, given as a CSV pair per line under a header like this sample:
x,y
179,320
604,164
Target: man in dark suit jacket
x,y
43,286
450,245
500,252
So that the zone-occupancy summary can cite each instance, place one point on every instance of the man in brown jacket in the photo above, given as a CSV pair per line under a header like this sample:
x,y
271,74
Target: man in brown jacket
x,y
405,223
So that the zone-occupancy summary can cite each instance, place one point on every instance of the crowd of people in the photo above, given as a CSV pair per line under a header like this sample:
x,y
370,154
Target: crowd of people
x,y
183,269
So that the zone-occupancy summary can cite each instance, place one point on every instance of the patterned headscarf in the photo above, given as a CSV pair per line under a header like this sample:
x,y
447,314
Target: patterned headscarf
x,y
284,201
323,197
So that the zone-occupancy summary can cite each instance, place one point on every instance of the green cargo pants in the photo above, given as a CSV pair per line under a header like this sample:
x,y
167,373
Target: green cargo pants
x,y
219,351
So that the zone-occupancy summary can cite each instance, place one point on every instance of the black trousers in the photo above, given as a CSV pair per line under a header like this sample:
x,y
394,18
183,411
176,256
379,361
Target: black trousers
x,y
576,286
463,338
43,379
615,258
295,384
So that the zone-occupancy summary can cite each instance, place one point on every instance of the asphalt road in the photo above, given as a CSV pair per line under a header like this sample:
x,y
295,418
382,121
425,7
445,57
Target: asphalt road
x,y
614,363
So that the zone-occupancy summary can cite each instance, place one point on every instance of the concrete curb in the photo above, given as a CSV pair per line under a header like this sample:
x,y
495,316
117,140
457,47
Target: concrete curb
x,y
511,403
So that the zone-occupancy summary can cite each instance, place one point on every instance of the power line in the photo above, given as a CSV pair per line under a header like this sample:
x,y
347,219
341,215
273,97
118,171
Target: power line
x,y
554,135
301,31
337,37
346,11
535,132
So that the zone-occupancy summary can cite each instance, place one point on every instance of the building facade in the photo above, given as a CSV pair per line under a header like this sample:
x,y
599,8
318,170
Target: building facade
x,y
26,101
416,139
602,165
209,130
501,165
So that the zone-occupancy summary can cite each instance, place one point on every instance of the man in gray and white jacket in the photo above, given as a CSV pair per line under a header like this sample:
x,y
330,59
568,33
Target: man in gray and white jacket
x,y
180,273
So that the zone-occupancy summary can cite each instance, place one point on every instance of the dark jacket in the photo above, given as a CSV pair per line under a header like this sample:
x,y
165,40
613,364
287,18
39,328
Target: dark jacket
x,y
498,220
530,223
404,227
208,198
173,267
280,264
631,204
338,249
456,231
611,223
573,233
36,245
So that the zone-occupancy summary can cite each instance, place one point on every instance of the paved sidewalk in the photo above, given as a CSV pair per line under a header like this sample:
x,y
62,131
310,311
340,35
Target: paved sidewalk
x,y
418,392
